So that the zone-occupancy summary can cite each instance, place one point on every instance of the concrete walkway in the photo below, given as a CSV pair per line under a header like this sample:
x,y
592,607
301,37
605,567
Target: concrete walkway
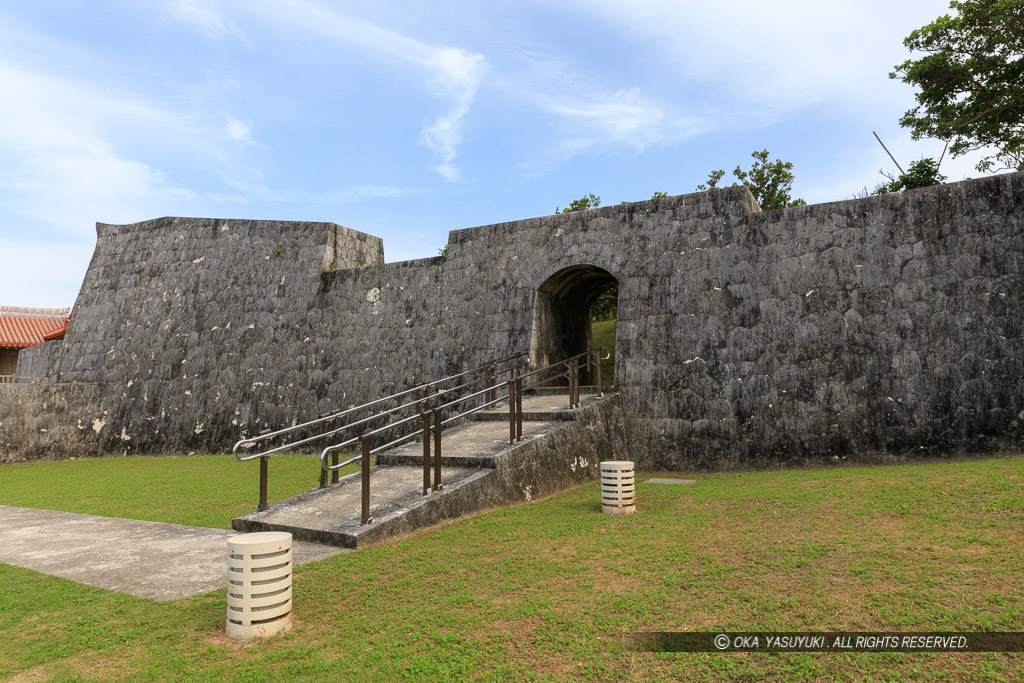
x,y
146,559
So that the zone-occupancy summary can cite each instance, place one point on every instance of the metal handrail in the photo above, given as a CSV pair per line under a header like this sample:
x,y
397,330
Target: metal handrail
x,y
480,407
429,408
514,396
328,417
423,408
567,360
378,449
422,392
423,405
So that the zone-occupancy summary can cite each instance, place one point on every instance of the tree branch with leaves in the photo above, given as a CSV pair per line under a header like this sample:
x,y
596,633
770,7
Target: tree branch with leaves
x,y
589,201
971,79
769,181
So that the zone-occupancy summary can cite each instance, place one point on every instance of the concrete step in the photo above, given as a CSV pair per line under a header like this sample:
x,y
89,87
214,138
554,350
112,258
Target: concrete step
x,y
584,389
539,407
480,470
471,444
333,515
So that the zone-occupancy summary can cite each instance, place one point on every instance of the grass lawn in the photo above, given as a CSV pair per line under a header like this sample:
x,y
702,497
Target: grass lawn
x,y
207,490
603,333
542,591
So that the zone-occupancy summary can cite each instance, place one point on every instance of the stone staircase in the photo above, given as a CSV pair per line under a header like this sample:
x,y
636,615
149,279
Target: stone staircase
x,y
560,449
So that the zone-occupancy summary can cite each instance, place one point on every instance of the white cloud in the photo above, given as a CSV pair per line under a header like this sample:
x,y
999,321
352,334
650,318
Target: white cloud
x,y
341,196
458,75
591,119
451,74
443,137
775,57
202,15
63,168
238,131
626,118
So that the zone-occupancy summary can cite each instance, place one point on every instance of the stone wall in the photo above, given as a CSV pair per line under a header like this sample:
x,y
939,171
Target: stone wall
x,y
36,363
745,338
48,421
750,338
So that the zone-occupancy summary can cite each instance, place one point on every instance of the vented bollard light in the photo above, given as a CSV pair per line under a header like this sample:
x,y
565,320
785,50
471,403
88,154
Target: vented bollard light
x,y
618,487
259,584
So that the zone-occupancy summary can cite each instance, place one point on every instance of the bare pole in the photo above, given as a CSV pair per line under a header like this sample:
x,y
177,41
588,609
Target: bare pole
x,y
943,154
888,152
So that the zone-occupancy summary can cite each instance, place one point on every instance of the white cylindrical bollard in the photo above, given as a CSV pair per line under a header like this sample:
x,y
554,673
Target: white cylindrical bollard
x,y
259,584
618,487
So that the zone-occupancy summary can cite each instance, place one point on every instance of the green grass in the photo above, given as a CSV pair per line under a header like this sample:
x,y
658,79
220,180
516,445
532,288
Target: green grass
x,y
604,335
199,490
543,591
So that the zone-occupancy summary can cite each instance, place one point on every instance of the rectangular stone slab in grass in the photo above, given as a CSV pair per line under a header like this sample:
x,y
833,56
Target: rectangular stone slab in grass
x,y
657,480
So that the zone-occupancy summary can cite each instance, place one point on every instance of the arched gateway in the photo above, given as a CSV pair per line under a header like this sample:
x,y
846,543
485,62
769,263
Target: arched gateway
x,y
562,314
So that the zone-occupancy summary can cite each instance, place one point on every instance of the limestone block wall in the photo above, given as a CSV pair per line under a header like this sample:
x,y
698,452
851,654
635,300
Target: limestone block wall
x,y
749,338
36,363
193,323
48,421
745,338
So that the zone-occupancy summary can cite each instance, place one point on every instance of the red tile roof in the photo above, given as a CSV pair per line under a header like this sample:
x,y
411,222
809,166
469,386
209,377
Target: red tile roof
x,y
59,332
23,327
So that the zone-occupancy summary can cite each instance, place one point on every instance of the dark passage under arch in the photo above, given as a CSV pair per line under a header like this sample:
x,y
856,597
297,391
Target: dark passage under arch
x,y
561,315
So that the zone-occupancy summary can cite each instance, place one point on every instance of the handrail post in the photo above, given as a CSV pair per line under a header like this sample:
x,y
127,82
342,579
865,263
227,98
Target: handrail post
x,y
437,448
519,400
323,476
572,385
519,408
569,372
576,382
511,411
600,380
425,420
576,378
335,474
264,475
365,441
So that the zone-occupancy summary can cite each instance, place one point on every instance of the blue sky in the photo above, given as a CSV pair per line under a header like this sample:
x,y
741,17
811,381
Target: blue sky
x,y
406,120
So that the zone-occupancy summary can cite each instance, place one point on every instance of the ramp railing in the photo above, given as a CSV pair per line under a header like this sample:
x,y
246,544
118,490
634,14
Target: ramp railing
x,y
426,419
337,423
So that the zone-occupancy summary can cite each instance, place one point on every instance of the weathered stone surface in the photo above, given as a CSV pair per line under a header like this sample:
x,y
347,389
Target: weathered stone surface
x,y
890,324
36,363
41,421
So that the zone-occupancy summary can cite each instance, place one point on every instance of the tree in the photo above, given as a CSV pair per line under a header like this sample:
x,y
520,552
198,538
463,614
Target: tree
x,y
606,306
656,195
922,173
589,201
971,79
769,182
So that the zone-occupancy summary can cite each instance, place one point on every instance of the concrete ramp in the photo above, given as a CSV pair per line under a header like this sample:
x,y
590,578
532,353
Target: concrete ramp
x,y
561,449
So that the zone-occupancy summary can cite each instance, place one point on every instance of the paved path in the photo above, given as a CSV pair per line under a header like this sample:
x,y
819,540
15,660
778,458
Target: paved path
x,y
146,559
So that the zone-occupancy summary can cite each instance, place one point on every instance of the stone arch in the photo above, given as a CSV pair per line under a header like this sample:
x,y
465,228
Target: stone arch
x,y
561,314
